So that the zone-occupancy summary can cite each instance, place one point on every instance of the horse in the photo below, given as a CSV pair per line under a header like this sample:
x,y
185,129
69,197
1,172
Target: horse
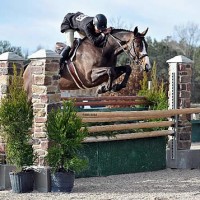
x,y
96,66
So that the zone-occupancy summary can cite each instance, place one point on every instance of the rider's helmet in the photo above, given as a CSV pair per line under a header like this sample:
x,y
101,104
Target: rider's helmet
x,y
100,21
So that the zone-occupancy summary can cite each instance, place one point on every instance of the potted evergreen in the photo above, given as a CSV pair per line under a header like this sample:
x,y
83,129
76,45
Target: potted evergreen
x,y
16,118
66,133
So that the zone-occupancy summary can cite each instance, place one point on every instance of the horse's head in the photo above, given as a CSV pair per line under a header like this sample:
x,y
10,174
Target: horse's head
x,y
134,44
138,49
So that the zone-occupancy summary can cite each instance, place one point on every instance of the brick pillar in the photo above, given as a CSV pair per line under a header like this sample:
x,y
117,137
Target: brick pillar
x,y
46,95
7,60
180,72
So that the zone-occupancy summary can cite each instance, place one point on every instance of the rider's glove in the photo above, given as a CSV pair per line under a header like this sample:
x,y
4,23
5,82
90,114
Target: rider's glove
x,y
107,31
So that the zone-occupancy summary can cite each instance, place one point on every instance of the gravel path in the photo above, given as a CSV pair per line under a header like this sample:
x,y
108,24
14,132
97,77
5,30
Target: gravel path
x,y
160,185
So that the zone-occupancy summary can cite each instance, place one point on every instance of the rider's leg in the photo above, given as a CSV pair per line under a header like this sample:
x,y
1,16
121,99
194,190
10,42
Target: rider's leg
x,y
69,35
81,35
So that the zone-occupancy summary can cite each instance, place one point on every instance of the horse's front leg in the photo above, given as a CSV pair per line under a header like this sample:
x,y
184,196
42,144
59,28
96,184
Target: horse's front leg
x,y
127,72
107,86
119,71
111,77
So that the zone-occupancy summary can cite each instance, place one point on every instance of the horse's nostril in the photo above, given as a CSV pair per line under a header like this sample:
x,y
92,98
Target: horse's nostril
x,y
147,68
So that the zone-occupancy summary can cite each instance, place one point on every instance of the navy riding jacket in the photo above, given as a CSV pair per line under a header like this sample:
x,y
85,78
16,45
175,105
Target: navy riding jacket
x,y
83,24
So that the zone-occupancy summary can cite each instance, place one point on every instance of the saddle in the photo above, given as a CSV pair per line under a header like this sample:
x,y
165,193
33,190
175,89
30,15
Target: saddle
x,y
69,63
60,46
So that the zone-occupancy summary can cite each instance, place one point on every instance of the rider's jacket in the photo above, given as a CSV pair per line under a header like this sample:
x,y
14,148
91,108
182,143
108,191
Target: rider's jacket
x,y
83,24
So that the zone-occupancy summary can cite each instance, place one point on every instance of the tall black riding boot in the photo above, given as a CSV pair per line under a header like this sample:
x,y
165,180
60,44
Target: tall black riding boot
x,y
64,54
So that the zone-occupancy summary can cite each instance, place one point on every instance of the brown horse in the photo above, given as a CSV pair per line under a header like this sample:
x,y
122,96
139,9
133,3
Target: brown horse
x,y
95,66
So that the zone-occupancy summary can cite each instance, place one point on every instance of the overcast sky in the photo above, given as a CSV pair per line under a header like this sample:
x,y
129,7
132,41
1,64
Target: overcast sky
x,y
28,23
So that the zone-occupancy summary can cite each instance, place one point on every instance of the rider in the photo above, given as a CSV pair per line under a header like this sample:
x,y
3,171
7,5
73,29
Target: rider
x,y
94,28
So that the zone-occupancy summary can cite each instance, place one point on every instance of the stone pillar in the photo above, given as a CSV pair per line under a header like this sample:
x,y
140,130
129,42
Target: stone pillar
x,y
180,72
46,95
7,61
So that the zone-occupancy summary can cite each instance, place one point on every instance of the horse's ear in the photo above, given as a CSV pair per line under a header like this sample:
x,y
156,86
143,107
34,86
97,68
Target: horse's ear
x,y
145,32
135,31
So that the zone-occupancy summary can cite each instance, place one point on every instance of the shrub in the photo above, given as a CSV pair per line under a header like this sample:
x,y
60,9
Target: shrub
x,y
66,133
157,94
16,118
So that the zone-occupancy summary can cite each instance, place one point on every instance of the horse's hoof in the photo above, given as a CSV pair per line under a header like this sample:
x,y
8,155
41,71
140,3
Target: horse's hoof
x,y
116,88
101,90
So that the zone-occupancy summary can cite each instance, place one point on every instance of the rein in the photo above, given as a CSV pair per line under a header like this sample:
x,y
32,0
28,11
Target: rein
x,y
123,47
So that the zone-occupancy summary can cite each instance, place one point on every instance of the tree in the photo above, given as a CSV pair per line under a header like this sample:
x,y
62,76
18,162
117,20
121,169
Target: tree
x,y
188,36
160,52
39,47
5,46
119,23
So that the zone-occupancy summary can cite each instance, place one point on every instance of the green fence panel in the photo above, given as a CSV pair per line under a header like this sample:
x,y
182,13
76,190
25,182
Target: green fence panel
x,y
195,130
128,156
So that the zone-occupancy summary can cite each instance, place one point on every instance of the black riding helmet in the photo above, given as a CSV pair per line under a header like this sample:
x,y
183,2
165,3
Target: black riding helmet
x,y
100,21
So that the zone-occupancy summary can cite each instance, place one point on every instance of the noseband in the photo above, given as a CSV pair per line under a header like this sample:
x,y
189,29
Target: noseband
x,y
136,57
130,45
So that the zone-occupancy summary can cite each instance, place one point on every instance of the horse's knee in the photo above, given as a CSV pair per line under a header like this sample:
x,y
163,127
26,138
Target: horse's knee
x,y
112,73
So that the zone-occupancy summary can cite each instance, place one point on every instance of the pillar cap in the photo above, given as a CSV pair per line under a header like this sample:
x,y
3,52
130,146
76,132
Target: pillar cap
x,y
10,56
180,59
43,53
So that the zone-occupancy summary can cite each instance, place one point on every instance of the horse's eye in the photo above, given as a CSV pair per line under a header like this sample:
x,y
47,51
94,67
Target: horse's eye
x,y
137,45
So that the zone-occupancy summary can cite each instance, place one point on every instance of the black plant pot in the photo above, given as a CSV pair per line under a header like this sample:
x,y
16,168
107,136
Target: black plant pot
x,y
62,181
22,182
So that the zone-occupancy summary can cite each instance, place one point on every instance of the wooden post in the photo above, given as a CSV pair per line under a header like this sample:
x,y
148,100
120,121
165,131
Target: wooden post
x,y
46,95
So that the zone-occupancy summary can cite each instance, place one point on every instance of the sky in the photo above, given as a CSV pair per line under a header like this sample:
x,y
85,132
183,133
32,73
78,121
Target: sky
x,y
29,24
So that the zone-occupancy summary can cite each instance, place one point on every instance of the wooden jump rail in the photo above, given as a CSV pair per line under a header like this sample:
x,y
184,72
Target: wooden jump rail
x,y
139,115
109,100
119,127
128,136
132,115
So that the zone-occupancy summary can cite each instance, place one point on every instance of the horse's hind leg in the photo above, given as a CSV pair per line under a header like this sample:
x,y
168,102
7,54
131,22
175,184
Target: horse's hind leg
x,y
119,71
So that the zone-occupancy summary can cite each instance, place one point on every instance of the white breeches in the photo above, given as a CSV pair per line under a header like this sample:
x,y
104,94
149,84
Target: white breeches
x,y
69,35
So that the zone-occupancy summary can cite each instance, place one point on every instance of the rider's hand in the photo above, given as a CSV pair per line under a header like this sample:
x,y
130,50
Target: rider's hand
x,y
107,31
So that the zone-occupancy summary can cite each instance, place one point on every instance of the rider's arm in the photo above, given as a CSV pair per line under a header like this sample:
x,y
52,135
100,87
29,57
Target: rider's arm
x,y
97,40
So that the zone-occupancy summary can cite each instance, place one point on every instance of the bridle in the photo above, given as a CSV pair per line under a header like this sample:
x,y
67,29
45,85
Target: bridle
x,y
128,46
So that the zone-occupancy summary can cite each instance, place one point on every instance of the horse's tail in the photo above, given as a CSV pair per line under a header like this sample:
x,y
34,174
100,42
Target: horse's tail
x,y
26,64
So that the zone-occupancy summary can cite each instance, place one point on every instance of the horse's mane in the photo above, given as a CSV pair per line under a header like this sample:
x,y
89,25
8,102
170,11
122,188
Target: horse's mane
x,y
116,30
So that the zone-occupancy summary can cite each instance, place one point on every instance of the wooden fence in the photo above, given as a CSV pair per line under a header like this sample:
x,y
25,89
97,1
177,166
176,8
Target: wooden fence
x,y
132,119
